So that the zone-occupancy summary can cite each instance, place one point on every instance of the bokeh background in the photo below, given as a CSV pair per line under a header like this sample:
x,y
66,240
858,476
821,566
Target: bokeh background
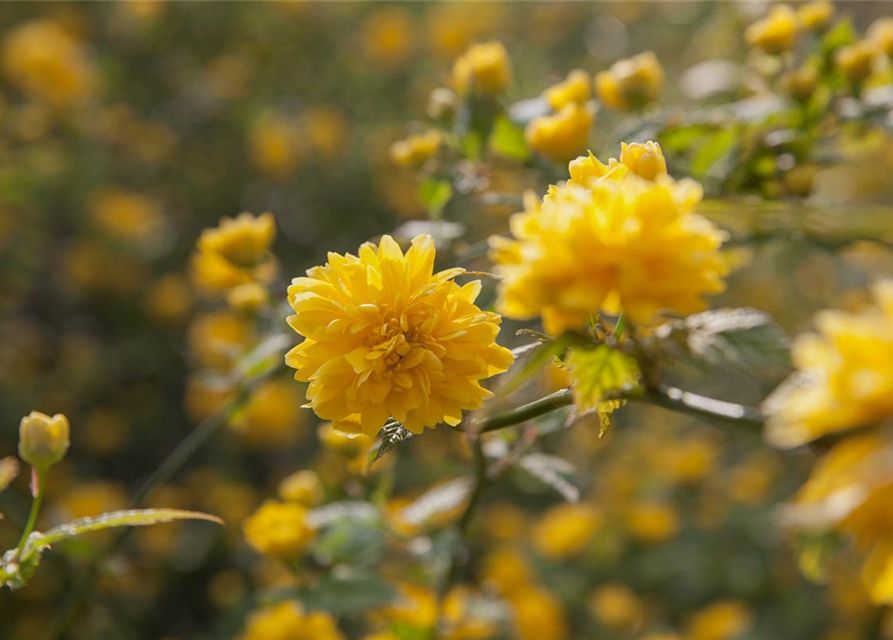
x,y
146,122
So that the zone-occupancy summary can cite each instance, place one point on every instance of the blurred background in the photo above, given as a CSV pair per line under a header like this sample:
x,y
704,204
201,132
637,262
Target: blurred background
x,y
128,127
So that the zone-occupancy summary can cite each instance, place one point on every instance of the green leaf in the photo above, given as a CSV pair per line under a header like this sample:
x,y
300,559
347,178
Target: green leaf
x,y
540,356
507,139
841,34
131,518
682,139
596,373
553,472
350,541
347,593
733,339
389,437
712,157
435,194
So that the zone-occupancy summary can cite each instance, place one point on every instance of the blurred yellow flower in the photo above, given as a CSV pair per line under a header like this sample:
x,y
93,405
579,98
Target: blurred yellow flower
x,y
344,443
386,337
800,83
881,34
845,375
272,416
169,298
776,32
280,530
288,621
303,487
272,143
537,614
325,130
616,606
485,69
576,89
416,607
723,620
856,60
628,245
563,135
631,83
126,216
236,252
652,522
505,570
414,151
47,63
815,15
565,531
248,297
644,160
219,338
387,36
43,440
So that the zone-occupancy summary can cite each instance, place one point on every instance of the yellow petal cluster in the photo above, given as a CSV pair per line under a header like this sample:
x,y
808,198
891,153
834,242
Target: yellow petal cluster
x,y
43,440
856,60
280,530
574,90
645,160
414,151
485,69
850,491
386,337
611,242
845,375
288,621
815,16
235,253
776,32
881,34
631,83
563,135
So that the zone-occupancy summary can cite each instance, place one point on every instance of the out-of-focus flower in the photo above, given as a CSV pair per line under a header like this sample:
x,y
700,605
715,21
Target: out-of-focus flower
x,y
288,621
628,245
280,530
387,36
537,614
856,60
416,607
88,499
325,130
616,606
643,160
43,440
414,151
346,444
47,63
451,28
169,298
631,83
776,32
460,621
576,89
485,69
845,377
505,570
273,145
881,34
248,297
563,135
800,83
849,491
652,522
723,620
219,338
302,487
271,416
565,531
127,216
386,337
816,15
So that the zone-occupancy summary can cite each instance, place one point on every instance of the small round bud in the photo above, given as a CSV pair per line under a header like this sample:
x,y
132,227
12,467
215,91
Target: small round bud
x,y
43,440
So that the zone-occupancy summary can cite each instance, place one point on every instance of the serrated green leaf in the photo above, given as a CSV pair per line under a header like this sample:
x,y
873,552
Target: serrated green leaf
x,y
595,374
130,518
435,194
507,139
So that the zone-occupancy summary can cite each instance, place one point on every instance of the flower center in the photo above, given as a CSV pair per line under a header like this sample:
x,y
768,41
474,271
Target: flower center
x,y
392,341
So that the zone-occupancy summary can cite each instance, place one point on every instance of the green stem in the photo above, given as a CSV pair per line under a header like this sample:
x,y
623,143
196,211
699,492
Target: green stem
x,y
548,404
35,510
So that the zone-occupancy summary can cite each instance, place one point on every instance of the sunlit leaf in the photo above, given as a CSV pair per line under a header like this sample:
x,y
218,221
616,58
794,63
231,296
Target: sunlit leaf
x,y
435,194
324,516
595,374
131,518
439,500
507,139
552,471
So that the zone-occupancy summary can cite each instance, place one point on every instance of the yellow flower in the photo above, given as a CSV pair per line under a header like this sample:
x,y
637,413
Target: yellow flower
x,y
169,298
574,90
776,32
538,615
850,490
279,530
386,337
249,297
612,245
816,15
561,136
631,83
643,160
272,415
845,375
565,531
800,83
47,63
219,338
303,487
348,443
127,216
856,60
43,440
235,253
272,145
505,571
723,620
652,522
484,69
387,36
616,606
415,151
287,621
881,33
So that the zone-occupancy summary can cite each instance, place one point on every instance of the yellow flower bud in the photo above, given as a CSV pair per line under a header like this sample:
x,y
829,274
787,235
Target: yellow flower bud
x,y
573,90
43,440
645,160
279,530
631,83
248,297
485,69
302,487
562,136
800,83
415,151
815,16
856,60
881,33
775,33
